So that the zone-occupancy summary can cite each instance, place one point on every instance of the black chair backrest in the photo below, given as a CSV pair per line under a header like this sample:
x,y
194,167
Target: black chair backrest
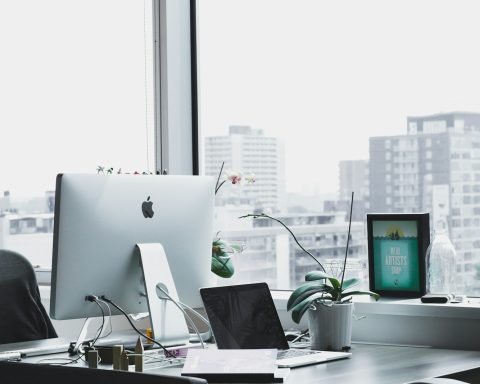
x,y
26,373
22,315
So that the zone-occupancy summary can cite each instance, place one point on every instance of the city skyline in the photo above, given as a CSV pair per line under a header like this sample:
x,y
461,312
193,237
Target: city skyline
x,y
320,76
432,167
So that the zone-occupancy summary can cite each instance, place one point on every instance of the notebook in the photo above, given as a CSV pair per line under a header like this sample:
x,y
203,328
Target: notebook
x,y
232,365
244,317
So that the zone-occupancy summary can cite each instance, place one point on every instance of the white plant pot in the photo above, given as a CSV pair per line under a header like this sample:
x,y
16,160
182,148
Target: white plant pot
x,y
331,327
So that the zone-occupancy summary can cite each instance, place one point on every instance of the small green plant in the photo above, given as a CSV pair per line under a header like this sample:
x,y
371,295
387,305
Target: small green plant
x,y
319,288
222,252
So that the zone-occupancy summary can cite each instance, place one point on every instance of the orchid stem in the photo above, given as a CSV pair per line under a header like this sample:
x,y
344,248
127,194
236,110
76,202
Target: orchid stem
x,y
348,241
256,216
217,186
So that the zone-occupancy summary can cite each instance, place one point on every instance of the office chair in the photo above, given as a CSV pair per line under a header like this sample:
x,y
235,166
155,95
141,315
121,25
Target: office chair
x,y
25,373
22,315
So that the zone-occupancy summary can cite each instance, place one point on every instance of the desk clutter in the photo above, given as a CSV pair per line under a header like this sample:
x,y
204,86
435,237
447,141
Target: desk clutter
x,y
125,358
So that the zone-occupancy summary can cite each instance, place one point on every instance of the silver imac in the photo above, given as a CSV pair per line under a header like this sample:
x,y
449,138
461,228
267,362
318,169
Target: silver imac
x,y
99,219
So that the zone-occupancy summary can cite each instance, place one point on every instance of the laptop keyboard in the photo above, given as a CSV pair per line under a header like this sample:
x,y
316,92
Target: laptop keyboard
x,y
289,353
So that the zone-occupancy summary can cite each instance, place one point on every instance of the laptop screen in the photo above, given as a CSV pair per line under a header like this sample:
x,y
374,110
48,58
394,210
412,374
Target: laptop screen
x,y
243,317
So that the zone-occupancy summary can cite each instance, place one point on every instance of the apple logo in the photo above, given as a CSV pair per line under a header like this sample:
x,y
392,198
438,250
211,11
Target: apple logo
x,y
147,209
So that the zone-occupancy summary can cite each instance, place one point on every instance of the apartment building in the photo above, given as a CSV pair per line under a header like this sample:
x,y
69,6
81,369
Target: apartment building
x,y
434,167
248,150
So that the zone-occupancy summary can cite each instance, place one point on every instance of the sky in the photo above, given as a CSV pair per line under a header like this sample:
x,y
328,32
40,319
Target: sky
x,y
324,76
72,90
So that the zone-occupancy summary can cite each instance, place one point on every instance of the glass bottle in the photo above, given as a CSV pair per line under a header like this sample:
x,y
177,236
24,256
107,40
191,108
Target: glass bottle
x,y
440,262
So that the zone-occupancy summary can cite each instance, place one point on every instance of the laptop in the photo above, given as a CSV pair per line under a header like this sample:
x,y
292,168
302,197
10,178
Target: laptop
x,y
244,317
37,347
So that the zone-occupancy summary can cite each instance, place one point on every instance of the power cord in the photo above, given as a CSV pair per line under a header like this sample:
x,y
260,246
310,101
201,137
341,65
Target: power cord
x,y
76,347
110,330
205,336
100,329
189,319
106,299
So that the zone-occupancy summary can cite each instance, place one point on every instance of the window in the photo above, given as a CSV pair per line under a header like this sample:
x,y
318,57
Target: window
x,y
294,90
77,92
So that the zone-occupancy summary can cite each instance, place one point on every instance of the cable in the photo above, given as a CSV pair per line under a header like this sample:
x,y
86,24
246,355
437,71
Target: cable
x,y
67,362
100,329
167,352
76,346
205,336
109,318
196,313
192,324
301,341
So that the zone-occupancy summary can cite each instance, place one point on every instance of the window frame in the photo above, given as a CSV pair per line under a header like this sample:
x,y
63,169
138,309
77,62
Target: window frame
x,y
176,100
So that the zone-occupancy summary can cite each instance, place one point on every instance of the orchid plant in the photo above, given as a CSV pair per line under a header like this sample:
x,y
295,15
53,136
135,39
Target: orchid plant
x,y
222,250
320,288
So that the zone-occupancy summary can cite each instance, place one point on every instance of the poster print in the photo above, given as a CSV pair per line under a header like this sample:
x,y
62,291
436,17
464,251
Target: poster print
x,y
397,244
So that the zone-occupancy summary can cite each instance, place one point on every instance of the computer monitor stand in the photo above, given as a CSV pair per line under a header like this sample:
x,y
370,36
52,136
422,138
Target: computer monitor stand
x,y
167,320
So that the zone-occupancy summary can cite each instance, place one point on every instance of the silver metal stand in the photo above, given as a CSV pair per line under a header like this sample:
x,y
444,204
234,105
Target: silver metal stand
x,y
168,323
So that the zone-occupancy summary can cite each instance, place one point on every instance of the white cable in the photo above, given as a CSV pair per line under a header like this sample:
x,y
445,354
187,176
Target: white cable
x,y
205,335
109,318
189,319
196,313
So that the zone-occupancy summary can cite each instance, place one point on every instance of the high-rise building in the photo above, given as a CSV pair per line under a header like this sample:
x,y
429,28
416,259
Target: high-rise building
x,y
248,150
434,168
353,176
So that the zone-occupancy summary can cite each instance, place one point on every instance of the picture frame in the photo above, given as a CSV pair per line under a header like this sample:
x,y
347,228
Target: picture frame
x,y
397,245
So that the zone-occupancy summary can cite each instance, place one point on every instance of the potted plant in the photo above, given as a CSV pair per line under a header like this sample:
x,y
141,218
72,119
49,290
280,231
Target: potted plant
x,y
327,300
222,251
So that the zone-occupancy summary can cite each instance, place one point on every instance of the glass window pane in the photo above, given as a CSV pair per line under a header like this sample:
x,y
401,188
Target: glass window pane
x,y
314,96
76,90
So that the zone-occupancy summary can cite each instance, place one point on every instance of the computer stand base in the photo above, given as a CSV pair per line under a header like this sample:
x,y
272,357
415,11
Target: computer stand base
x,y
75,347
168,322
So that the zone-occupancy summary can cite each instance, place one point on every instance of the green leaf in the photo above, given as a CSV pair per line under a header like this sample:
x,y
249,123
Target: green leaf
x,y
335,283
236,247
219,248
301,289
350,283
222,267
305,291
299,310
376,296
316,275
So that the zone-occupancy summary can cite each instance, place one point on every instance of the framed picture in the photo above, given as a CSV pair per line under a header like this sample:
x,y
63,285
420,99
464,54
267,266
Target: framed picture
x,y
397,244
